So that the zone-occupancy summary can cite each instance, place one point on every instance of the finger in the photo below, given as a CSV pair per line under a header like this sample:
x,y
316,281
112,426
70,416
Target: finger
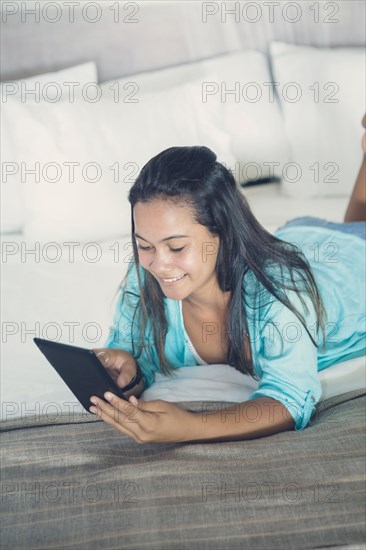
x,y
123,379
156,405
119,410
109,420
108,362
114,365
103,357
128,411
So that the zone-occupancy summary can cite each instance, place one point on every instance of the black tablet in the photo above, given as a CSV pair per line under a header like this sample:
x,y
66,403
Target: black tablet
x,y
81,370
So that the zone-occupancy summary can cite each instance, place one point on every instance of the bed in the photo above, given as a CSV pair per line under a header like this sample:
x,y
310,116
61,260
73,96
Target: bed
x,y
75,482
68,479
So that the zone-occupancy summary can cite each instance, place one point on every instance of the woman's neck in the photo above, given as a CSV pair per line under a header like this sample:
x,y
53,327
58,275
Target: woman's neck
x,y
216,304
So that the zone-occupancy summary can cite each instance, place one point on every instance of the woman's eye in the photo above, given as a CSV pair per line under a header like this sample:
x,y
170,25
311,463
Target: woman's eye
x,y
149,247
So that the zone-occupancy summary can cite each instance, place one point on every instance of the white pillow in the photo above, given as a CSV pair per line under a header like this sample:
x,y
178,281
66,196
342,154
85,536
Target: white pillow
x,y
324,125
50,86
47,87
251,117
119,138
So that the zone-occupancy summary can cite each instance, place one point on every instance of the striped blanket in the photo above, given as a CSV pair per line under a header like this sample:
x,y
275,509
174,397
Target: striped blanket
x,y
76,483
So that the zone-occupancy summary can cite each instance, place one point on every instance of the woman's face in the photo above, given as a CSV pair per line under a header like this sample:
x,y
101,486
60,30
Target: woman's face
x,y
172,245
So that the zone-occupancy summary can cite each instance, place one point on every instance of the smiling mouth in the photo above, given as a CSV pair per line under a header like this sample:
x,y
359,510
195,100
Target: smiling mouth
x,y
173,280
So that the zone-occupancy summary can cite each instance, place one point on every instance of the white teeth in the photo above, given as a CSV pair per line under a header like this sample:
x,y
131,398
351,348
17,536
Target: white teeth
x,y
172,280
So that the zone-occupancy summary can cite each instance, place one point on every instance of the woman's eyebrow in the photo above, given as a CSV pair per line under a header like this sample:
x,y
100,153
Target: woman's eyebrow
x,y
166,238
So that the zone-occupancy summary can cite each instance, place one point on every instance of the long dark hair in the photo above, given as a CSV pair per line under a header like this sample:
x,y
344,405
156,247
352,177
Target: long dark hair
x,y
192,176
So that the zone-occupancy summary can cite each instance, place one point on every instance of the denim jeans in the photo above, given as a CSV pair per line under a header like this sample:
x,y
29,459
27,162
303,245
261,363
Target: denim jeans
x,y
356,228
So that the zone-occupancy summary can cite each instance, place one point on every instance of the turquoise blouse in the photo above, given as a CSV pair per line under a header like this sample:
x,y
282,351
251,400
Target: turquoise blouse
x,y
284,357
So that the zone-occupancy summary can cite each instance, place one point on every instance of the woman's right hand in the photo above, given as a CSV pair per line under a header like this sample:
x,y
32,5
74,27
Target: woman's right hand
x,y
120,364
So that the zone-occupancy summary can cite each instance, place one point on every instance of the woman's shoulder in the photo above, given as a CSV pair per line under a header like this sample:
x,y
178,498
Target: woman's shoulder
x,y
257,299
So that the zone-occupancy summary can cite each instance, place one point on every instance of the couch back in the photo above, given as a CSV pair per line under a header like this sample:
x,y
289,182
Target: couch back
x,y
126,38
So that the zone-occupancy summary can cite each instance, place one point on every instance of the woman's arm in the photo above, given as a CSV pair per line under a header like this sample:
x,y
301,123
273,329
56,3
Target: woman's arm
x,y
356,209
255,418
159,421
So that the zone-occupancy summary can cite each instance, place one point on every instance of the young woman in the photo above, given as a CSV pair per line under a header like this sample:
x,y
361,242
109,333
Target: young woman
x,y
209,285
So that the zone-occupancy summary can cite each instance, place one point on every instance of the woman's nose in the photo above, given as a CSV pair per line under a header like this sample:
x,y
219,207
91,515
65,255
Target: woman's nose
x,y
160,263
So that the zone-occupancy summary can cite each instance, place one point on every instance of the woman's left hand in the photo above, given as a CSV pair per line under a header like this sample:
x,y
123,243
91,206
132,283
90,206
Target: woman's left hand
x,y
155,421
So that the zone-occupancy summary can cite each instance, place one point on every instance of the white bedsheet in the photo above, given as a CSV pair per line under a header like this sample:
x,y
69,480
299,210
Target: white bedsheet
x,y
71,301
223,383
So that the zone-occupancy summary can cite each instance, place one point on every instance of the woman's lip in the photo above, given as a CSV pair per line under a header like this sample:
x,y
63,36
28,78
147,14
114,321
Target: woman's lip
x,y
169,283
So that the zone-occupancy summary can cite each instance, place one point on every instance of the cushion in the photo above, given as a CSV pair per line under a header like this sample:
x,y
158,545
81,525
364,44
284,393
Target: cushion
x,y
90,153
48,87
322,93
245,108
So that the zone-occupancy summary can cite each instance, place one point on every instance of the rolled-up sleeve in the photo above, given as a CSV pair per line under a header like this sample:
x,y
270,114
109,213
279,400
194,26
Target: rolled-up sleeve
x,y
124,333
287,362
